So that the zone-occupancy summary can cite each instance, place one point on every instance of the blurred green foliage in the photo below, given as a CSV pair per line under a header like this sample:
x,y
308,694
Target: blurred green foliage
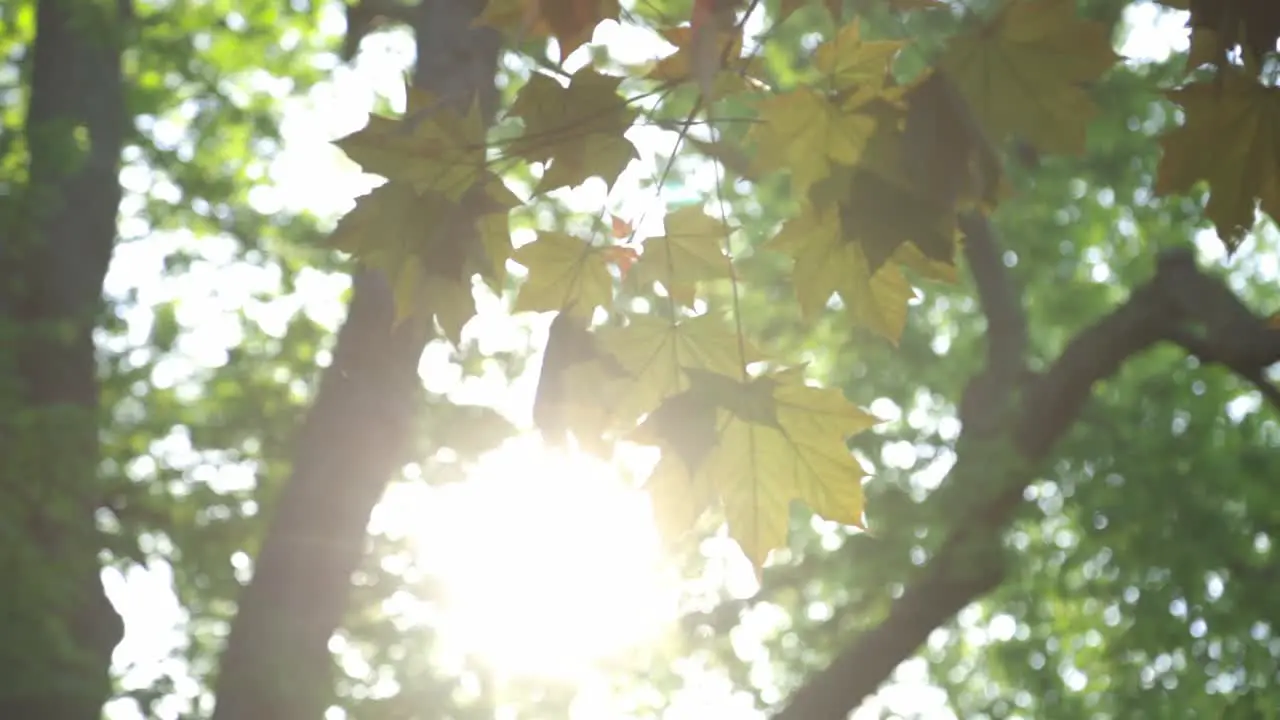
x,y
1144,572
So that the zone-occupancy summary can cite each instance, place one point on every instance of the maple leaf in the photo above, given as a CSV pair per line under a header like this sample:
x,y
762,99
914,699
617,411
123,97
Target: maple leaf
x,y
417,240
910,257
882,217
570,22
621,257
440,150
691,251
881,206
826,263
605,156
775,440
1025,70
807,131
945,153
854,66
565,273
1230,139
577,129
679,497
802,130
448,300
656,352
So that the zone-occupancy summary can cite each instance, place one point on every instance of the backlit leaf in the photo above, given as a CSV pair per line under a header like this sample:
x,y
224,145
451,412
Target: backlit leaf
x,y
565,273
691,251
808,133
775,440
826,263
577,129
1024,72
1230,139
656,353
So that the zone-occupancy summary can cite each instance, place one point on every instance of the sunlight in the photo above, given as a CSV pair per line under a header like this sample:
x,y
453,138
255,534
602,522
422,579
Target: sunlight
x,y
551,561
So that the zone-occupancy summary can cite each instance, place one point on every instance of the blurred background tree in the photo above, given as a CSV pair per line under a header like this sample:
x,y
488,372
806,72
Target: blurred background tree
x,y
168,318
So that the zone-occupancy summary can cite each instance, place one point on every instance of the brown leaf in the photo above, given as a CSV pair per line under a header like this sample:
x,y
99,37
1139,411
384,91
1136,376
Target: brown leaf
x,y
946,154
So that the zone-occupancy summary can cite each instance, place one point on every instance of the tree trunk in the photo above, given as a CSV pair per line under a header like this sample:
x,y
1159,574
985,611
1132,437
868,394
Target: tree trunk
x,y
59,629
277,665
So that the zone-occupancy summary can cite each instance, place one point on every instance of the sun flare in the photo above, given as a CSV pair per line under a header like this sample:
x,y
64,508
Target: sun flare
x,y
550,559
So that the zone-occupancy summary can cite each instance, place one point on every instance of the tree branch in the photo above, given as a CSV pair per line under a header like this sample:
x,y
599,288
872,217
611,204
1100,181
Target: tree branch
x,y
1199,349
1001,302
277,663
1179,296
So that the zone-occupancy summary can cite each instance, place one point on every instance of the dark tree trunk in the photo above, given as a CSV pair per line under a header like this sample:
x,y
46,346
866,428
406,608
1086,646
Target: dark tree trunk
x,y
57,628
277,665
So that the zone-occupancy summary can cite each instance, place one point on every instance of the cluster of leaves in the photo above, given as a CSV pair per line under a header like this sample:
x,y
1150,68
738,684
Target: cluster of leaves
x,y
885,145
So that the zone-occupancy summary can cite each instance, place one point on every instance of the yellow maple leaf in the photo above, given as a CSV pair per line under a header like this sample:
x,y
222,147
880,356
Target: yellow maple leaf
x,y
1023,72
416,239
691,251
775,440
806,132
881,207
854,66
565,273
826,263
433,146
1231,139
577,129
679,497
910,257
597,154
419,298
656,352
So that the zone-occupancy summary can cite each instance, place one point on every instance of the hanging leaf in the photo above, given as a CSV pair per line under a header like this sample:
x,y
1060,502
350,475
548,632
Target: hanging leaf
x,y
775,440
1228,140
655,352
577,129
691,251
1025,72
565,273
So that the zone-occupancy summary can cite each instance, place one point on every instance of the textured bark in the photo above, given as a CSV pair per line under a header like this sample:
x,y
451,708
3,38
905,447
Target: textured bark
x,y
1181,304
277,665
59,628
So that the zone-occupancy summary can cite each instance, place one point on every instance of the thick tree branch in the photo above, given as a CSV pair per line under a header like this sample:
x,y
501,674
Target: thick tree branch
x,y
1001,302
1202,351
277,663
1180,296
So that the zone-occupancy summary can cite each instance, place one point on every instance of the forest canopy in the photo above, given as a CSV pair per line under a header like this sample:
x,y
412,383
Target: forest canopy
x,y
668,358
